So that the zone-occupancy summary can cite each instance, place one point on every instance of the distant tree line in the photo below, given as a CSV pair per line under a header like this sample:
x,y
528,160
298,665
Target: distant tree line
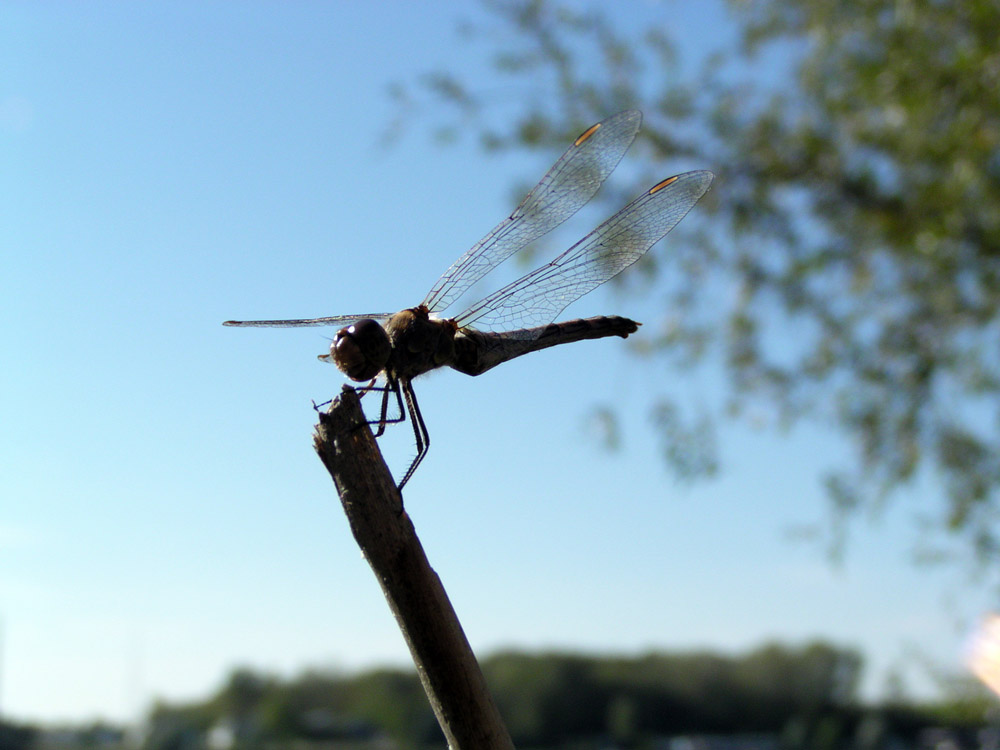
x,y
550,697
16,736
807,696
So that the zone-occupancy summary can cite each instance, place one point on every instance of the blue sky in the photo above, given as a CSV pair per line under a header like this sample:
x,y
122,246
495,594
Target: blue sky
x,y
163,518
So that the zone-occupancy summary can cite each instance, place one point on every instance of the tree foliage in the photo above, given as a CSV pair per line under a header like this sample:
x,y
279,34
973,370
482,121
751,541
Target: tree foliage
x,y
545,700
850,270
551,697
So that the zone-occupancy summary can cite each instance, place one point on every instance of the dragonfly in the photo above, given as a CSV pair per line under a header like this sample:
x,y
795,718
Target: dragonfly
x,y
395,348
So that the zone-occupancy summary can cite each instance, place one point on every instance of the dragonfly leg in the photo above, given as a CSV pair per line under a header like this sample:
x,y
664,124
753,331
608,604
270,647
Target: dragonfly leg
x,y
423,439
361,394
392,386
384,413
365,388
384,419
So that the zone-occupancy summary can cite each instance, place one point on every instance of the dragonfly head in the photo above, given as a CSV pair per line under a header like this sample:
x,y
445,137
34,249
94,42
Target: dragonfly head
x,y
361,350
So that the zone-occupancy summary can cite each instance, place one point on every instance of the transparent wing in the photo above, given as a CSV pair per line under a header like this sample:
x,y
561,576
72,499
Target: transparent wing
x,y
336,320
564,190
537,298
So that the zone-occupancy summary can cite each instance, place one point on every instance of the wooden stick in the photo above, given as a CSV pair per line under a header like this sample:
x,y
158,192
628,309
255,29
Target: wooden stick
x,y
445,663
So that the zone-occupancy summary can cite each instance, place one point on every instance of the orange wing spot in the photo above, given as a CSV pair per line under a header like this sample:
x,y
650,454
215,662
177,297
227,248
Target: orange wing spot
x,y
586,134
660,185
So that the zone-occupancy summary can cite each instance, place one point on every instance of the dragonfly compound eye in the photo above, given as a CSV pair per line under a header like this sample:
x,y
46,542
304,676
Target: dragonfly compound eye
x,y
361,350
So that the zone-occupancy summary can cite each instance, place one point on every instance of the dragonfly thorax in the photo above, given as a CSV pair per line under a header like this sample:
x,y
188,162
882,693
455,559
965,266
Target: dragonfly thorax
x,y
361,351
420,343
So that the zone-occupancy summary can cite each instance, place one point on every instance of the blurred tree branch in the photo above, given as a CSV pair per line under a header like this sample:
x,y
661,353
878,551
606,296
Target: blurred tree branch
x,y
855,226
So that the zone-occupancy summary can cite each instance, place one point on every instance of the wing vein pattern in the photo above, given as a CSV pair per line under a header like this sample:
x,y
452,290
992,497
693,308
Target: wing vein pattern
x,y
565,189
538,297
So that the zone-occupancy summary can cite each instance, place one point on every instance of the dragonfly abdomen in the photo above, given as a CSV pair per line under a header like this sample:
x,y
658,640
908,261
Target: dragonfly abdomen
x,y
478,351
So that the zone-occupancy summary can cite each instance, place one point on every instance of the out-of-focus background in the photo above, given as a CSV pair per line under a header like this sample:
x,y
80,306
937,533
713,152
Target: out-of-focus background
x,y
772,514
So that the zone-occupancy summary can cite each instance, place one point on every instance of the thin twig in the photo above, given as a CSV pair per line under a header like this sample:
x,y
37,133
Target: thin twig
x,y
445,663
